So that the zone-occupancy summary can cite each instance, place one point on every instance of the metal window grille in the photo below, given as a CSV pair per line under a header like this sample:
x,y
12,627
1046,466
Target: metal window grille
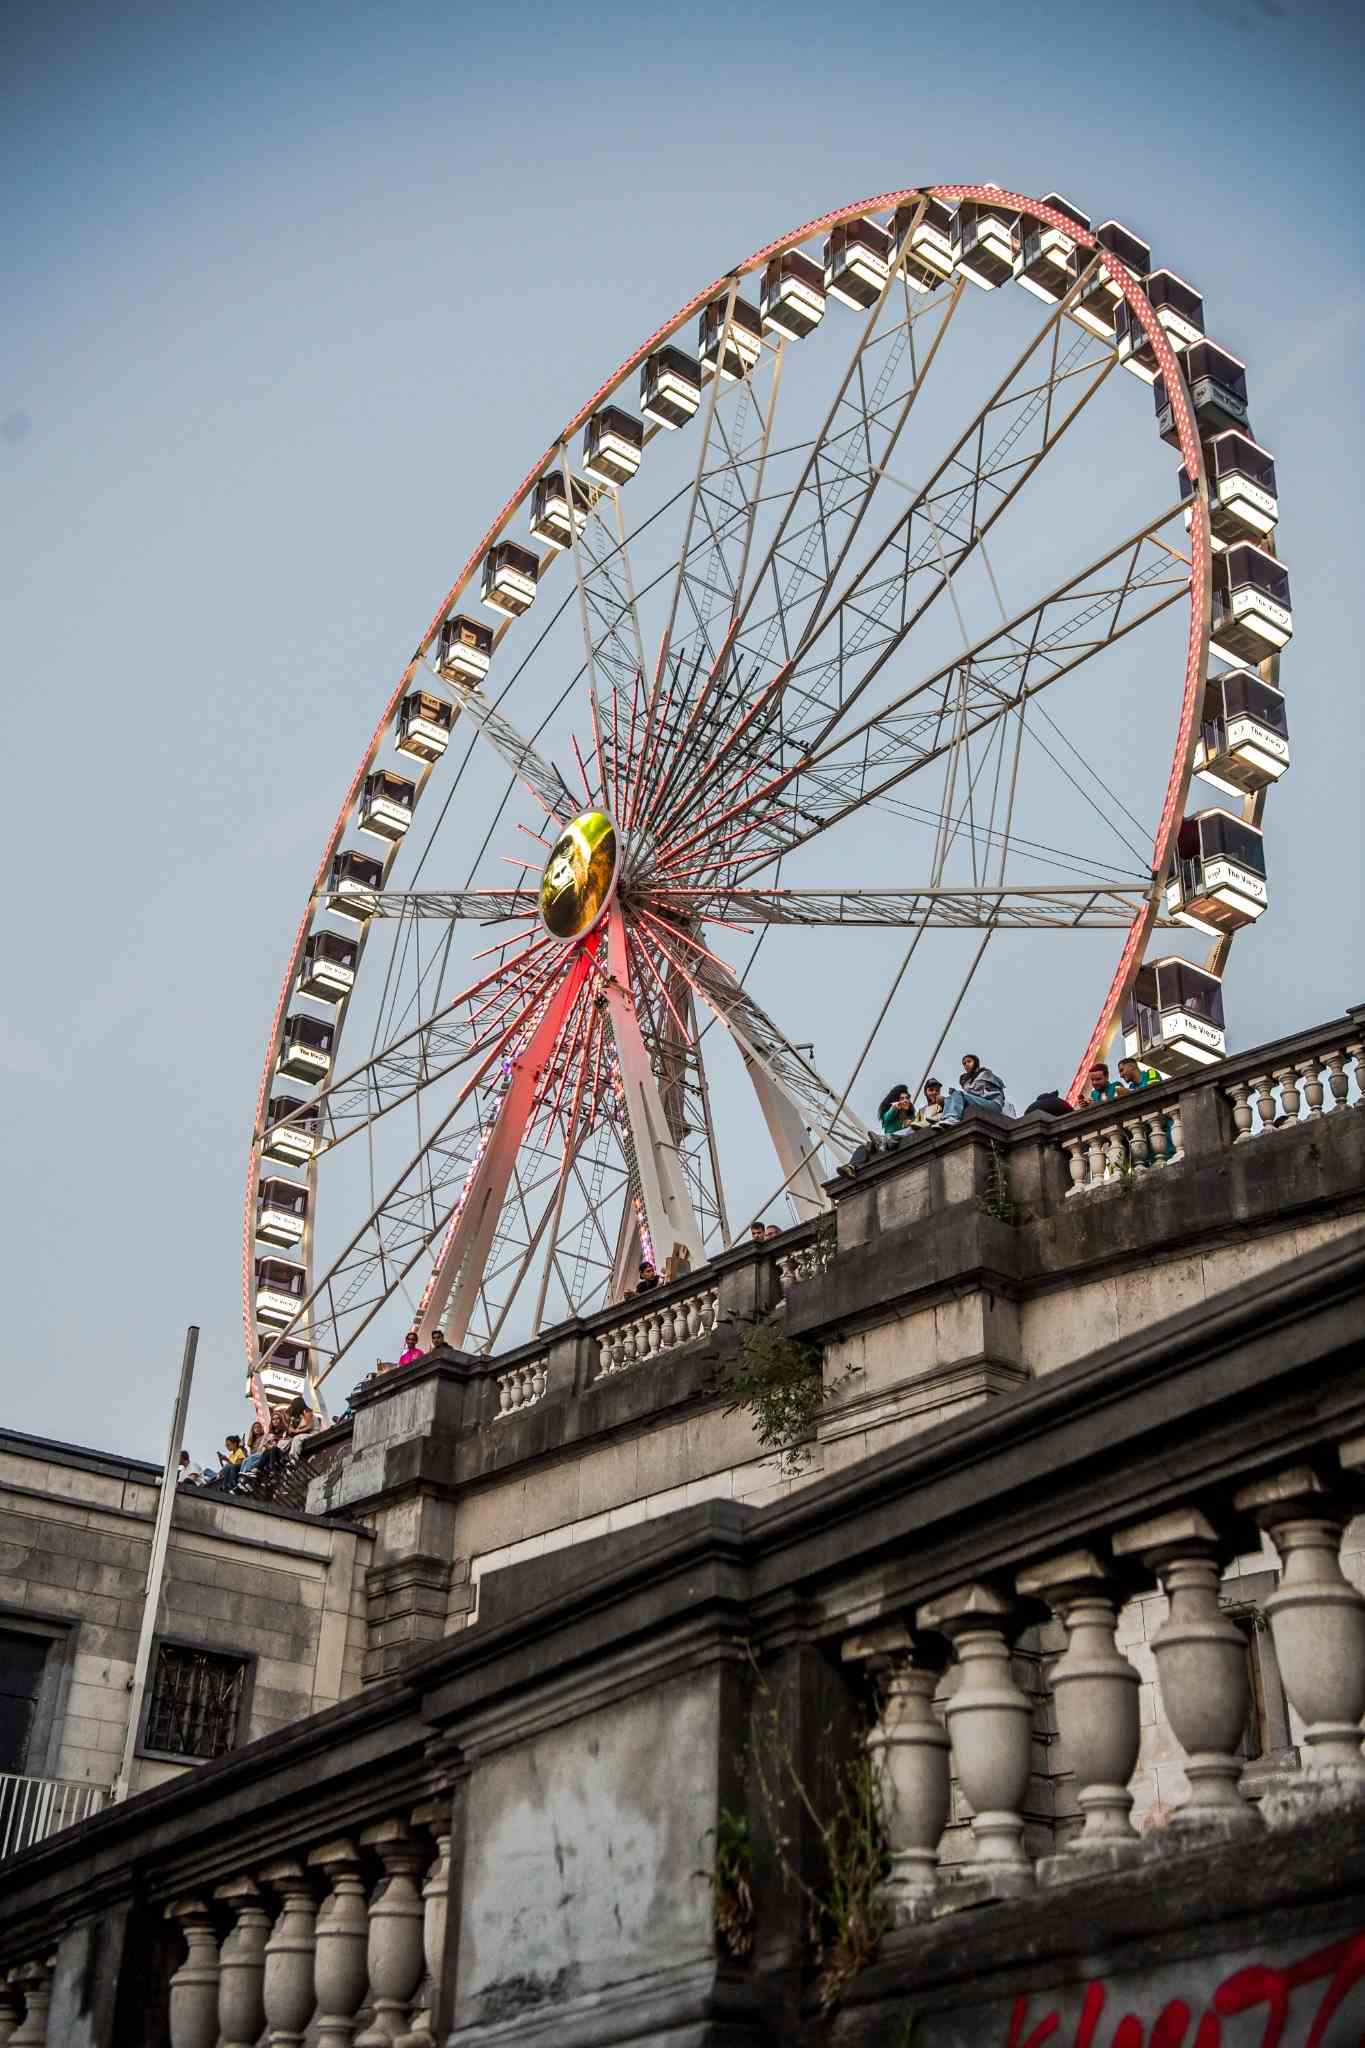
x,y
195,1701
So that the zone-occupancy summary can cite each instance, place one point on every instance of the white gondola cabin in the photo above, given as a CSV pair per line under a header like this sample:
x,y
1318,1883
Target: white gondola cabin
x,y
355,880
1243,743
465,649
1217,384
386,804
670,387
613,444
985,242
1097,308
857,262
424,723
744,344
1174,1016
550,517
279,1290
281,1211
1243,501
1217,882
290,1142
306,1052
327,971
1050,260
288,1371
792,301
509,579
927,245
1177,306
1252,616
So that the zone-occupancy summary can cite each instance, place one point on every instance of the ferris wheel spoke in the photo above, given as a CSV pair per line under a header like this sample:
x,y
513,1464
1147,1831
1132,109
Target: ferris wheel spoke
x,y
996,455
476,906
1124,590
1104,905
544,781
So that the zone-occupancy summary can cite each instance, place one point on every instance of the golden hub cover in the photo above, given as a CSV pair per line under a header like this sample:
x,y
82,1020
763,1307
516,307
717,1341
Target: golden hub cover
x,y
579,876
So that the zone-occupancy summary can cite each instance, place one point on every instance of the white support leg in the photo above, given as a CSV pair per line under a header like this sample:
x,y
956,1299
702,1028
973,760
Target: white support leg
x,y
791,1141
454,1285
663,1185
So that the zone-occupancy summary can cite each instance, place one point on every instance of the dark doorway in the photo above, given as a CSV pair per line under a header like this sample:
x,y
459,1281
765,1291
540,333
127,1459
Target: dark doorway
x,y
22,1658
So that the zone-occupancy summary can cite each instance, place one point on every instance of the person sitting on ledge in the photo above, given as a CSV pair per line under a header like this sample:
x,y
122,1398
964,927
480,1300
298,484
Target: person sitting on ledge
x,y
411,1351
934,1105
977,1088
1050,1103
230,1463
648,1277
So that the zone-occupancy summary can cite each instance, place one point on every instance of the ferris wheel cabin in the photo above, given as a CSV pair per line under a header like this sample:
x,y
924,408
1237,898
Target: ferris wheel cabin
x,y
1217,881
1049,260
289,1369
1243,504
1097,308
670,387
509,579
354,881
1179,308
929,248
327,972
1243,743
424,723
386,804
985,243
743,346
613,443
857,263
1217,384
1174,1016
281,1211
279,1290
290,1143
1252,617
306,1053
551,520
465,649
792,301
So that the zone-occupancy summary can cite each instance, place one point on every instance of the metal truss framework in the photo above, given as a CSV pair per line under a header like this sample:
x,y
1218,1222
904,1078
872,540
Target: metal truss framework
x,y
560,1101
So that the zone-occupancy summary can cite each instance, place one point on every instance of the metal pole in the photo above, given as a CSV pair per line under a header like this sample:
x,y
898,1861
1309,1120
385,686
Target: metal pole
x,y
156,1570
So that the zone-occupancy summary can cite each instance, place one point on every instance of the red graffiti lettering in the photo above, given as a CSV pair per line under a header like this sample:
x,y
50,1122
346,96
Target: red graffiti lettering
x,y
1255,1985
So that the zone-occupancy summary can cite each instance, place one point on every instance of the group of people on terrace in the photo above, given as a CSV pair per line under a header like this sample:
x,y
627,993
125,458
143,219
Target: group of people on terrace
x,y
253,1459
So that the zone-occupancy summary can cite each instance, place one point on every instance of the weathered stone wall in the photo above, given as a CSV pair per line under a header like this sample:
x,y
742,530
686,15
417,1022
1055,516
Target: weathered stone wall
x,y
75,1542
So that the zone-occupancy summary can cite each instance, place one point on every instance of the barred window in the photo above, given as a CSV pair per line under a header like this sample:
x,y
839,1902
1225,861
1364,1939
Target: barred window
x,y
195,1702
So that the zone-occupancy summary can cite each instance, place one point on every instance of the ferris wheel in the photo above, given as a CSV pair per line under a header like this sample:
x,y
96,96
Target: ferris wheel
x,y
801,622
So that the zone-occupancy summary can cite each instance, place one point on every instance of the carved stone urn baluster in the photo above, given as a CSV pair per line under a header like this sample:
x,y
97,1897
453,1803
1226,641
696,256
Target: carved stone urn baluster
x,y
343,1927
288,1986
909,1746
394,1954
194,1987
990,1723
241,1965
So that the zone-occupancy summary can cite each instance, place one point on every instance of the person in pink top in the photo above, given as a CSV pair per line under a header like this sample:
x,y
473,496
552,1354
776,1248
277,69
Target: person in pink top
x,y
412,1352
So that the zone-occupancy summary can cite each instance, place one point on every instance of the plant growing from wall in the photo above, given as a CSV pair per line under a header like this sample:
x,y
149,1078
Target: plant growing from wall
x,y
997,1200
778,1380
730,1877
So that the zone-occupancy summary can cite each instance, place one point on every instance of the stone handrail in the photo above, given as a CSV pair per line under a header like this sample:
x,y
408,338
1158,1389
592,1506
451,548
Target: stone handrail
x,y
647,1332
1268,1089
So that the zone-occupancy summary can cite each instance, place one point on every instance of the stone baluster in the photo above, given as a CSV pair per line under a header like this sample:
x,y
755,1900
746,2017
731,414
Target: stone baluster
x,y
1136,1130
9,2009
1201,1665
287,1988
694,1306
504,1393
909,1747
1238,1094
680,1331
241,1965
990,1724
1115,1158
712,1315
540,1379
1338,1080
394,1954
1265,1100
1287,1078
1317,1620
1356,1052
35,1982
194,1987
435,1898
1310,1072
606,1340
1175,1116
1095,1690
343,1927
1075,1164
1094,1157
1158,1144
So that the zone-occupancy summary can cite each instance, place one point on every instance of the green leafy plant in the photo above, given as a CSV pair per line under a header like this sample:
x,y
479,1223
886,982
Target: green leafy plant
x,y
778,1380
997,1199
730,1878
845,1911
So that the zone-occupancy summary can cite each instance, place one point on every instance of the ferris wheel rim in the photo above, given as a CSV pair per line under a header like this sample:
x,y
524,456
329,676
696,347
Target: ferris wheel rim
x,y
1197,640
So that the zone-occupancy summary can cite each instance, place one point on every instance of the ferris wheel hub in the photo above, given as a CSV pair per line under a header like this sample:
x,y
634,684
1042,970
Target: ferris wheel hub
x,y
580,877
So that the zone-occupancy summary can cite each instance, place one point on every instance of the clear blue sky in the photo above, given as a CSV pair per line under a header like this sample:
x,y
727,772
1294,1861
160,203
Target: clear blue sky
x,y
293,296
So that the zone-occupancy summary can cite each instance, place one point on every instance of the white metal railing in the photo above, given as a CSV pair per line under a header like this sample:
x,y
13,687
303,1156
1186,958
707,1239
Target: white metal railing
x,y
1298,1090
31,1809
652,1331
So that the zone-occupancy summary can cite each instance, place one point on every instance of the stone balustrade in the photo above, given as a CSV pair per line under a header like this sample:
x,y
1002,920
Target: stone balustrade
x,y
522,1386
648,1332
802,1260
1302,1087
